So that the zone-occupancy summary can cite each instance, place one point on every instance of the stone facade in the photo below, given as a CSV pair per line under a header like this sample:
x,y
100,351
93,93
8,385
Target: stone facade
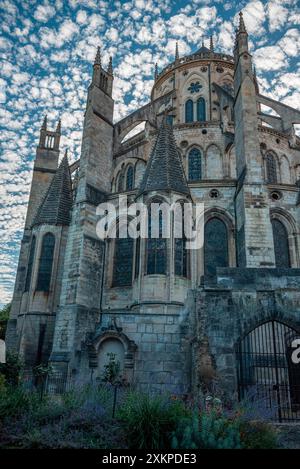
x,y
165,327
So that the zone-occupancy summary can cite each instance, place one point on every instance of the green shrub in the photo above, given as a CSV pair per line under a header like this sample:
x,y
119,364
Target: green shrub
x,y
258,435
16,402
11,369
209,430
149,420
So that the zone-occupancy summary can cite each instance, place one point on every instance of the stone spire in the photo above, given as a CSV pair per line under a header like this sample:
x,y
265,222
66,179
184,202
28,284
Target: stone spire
x,y
44,124
56,206
156,72
176,52
97,60
211,44
58,127
164,169
110,66
242,27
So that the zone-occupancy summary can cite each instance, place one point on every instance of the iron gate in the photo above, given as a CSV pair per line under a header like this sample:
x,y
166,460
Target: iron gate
x,y
265,362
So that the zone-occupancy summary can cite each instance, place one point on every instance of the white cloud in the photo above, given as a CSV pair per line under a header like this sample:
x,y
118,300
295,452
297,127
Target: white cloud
x,y
44,12
270,58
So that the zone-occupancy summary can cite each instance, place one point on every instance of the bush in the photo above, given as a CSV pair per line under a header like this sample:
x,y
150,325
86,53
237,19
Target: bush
x,y
258,435
148,420
81,419
209,430
11,370
4,316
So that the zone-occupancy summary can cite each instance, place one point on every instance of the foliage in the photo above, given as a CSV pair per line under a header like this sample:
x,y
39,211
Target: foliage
x,y
258,435
209,430
149,420
111,370
11,370
42,370
3,388
80,419
4,316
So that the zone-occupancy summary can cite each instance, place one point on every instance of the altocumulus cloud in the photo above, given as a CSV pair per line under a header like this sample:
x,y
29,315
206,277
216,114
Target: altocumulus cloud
x,y
47,48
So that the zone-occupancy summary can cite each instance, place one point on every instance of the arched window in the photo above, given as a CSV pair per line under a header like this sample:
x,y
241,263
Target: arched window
x,y
271,168
46,261
201,111
189,111
281,244
215,246
181,254
129,178
30,265
110,350
156,249
194,161
120,182
123,261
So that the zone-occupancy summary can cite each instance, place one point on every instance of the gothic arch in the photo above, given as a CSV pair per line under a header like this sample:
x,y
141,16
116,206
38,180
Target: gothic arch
x,y
271,163
285,170
227,219
289,224
113,332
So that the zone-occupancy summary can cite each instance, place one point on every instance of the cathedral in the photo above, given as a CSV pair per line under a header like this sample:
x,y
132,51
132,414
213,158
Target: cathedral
x,y
176,319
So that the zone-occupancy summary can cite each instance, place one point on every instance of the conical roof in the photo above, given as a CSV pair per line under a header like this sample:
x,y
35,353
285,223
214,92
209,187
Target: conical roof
x,y
56,206
164,169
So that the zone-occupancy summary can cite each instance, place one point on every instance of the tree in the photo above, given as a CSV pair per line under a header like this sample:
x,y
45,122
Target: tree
x,y
4,316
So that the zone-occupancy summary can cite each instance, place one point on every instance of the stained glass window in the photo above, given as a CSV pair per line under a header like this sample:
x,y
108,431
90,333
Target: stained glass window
x,y
170,120
215,246
129,178
30,265
156,250
194,87
201,112
281,244
123,262
46,261
181,257
189,111
194,161
271,168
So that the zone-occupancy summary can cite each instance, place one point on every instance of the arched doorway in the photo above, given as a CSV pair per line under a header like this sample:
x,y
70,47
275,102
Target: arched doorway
x,y
265,365
111,347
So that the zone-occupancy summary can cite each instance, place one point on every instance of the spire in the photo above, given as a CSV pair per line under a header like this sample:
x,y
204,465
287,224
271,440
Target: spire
x,y
110,66
56,206
211,44
58,127
156,72
242,27
44,124
176,52
98,57
164,169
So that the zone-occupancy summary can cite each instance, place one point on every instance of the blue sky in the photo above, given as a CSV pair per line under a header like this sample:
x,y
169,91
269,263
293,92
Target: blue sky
x,y
46,52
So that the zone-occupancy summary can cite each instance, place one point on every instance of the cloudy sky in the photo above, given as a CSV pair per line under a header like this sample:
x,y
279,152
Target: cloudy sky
x,y
46,52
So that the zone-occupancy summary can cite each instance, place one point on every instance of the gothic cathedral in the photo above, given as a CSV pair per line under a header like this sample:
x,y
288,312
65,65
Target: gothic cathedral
x,y
175,318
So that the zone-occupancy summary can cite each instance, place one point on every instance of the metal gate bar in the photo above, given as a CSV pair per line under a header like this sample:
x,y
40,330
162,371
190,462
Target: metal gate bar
x,y
264,358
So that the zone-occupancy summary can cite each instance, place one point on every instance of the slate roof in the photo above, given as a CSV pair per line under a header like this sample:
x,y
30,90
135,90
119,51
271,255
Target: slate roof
x,y
203,49
56,206
164,170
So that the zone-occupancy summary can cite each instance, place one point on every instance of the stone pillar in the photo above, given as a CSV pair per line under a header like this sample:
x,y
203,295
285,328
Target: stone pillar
x,y
254,229
80,300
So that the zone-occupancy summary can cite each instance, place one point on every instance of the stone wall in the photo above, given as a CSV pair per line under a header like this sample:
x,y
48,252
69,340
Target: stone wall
x,y
238,301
